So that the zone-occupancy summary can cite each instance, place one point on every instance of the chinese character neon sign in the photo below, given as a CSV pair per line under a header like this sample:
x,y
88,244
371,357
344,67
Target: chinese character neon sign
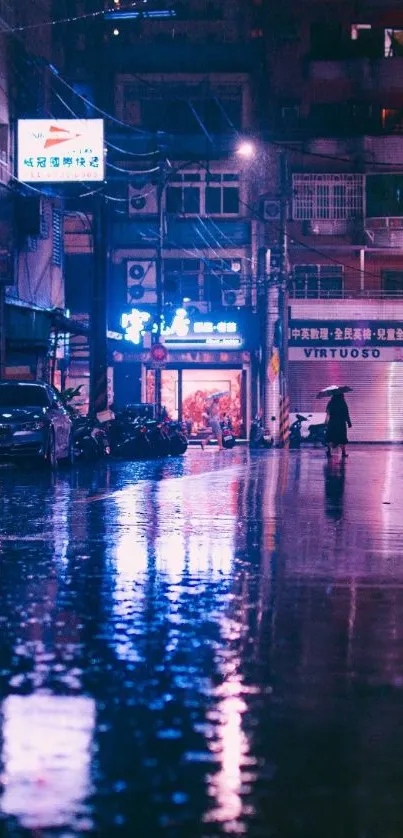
x,y
181,329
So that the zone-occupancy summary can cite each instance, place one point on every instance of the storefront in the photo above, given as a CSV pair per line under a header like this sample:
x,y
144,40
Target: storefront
x,y
214,354
367,355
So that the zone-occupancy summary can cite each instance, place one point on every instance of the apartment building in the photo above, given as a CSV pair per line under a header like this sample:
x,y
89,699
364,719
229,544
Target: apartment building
x,y
335,105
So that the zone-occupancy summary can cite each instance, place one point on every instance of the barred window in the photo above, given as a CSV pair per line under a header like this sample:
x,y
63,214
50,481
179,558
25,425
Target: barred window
x,y
329,197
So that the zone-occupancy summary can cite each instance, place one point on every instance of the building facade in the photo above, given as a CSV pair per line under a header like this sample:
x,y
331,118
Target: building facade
x,y
181,82
335,105
31,229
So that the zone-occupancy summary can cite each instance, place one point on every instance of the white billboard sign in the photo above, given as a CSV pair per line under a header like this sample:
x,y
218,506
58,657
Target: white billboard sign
x,y
60,150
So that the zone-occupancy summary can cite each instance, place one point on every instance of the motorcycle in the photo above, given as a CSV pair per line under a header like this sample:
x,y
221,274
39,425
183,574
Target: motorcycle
x,y
258,436
178,441
316,433
129,437
139,437
90,439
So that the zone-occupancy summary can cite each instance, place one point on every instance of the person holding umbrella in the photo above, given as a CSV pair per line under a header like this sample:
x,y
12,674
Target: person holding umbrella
x,y
212,418
337,418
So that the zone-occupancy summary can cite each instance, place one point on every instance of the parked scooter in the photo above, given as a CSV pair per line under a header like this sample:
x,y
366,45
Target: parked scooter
x,y
258,436
228,436
139,437
90,439
178,441
316,433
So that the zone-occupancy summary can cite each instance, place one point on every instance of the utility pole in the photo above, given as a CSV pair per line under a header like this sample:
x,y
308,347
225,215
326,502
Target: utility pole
x,y
159,281
284,406
98,337
2,332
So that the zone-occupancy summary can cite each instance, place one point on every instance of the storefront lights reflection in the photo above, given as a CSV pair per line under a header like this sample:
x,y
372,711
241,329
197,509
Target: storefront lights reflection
x,y
225,786
47,760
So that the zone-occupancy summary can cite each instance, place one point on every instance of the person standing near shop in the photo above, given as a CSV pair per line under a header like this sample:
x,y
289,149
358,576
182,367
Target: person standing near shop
x,y
337,422
212,417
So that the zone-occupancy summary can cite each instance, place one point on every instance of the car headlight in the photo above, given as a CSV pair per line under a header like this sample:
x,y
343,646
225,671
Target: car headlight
x,y
32,426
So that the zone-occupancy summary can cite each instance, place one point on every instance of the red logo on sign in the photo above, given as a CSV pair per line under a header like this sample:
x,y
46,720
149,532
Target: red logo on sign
x,y
59,135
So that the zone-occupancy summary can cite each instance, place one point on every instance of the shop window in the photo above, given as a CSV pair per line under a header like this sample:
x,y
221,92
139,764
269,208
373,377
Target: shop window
x,y
331,197
393,43
384,196
392,281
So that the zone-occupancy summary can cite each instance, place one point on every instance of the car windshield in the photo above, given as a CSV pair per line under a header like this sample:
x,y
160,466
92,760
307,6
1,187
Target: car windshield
x,y
23,395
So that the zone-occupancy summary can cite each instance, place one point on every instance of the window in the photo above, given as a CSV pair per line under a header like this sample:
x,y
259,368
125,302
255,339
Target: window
x,y
179,109
23,395
203,193
290,116
318,281
222,194
326,40
183,196
384,196
327,197
359,30
181,280
392,120
221,276
393,43
392,281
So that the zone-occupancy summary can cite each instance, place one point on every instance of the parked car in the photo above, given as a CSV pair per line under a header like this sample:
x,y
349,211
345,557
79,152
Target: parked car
x,y
34,423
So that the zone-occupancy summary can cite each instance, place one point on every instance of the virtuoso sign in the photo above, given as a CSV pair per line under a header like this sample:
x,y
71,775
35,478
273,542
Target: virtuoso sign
x,y
60,150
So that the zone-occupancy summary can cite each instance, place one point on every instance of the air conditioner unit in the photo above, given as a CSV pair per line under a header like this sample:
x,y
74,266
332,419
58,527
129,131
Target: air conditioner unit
x,y
271,210
142,201
141,282
233,299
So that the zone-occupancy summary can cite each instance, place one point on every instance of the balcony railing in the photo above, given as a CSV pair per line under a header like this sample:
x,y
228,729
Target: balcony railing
x,y
306,291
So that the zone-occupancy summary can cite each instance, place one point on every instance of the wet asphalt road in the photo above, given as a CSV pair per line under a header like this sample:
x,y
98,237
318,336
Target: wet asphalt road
x,y
203,647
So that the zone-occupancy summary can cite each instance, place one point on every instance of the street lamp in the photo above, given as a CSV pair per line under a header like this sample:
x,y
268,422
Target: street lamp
x,y
246,149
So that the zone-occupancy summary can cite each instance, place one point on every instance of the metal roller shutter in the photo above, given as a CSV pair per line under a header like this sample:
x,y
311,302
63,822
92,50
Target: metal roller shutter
x,y
376,403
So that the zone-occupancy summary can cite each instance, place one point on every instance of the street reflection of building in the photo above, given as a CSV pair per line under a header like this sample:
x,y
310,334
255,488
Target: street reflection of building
x,y
47,754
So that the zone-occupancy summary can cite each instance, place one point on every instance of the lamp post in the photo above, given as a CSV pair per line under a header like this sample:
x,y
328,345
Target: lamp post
x,y
274,277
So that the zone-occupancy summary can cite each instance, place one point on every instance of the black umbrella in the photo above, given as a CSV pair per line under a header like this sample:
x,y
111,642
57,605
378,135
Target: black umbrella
x,y
332,390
